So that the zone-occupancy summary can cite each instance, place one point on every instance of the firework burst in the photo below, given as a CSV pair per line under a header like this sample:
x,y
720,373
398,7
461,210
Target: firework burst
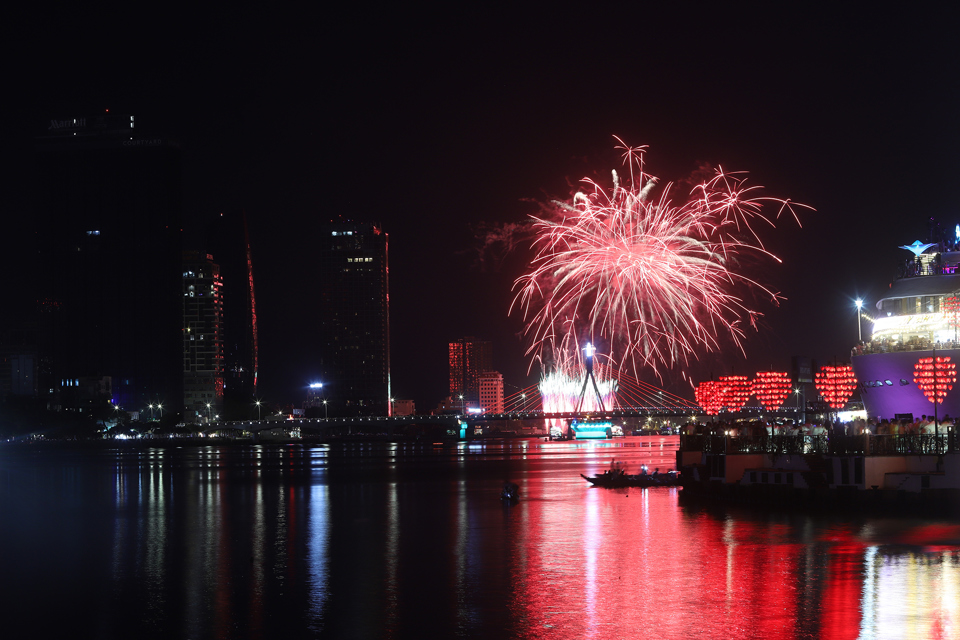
x,y
655,281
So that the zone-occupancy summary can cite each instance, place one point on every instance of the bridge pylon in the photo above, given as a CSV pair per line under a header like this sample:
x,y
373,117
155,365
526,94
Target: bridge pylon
x,y
588,351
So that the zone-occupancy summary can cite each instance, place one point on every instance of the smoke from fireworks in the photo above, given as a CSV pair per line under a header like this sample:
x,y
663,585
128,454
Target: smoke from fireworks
x,y
653,280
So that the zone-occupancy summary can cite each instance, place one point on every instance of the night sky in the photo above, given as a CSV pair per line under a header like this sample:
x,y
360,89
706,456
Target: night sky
x,y
435,121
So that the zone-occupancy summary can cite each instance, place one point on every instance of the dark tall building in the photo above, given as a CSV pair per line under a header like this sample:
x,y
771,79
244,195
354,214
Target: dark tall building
x,y
468,359
107,203
354,354
228,242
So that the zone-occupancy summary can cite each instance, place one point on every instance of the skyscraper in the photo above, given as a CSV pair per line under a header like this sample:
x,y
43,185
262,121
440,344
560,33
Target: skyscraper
x,y
202,338
354,317
468,358
108,213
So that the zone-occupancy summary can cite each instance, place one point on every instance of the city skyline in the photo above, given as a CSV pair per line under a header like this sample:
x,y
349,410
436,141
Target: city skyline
x,y
850,112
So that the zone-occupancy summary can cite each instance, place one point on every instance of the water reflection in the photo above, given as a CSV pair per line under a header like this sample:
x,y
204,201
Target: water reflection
x,y
406,542
317,559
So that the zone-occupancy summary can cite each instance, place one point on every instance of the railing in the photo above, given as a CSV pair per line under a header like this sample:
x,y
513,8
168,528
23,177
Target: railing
x,y
884,346
870,445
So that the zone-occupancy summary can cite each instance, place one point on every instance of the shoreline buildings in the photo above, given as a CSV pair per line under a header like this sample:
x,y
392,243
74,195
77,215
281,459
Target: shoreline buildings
x,y
473,382
468,357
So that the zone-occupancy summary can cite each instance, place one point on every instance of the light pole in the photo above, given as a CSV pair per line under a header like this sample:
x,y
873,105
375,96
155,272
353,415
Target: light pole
x,y
209,413
461,404
524,397
160,407
859,304
151,412
258,409
325,410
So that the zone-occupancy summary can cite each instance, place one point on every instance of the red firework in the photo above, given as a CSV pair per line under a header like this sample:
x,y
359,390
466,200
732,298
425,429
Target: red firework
x,y
935,377
771,388
630,267
836,384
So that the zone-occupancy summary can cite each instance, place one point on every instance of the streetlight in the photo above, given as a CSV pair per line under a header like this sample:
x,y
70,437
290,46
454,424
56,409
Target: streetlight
x,y
325,410
461,404
859,304
209,413
160,407
258,409
523,396
151,412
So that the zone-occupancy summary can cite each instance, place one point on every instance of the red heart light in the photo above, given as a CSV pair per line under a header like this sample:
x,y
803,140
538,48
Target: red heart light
x,y
935,377
836,384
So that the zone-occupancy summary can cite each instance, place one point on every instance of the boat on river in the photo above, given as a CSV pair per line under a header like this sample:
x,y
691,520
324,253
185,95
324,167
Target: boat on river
x,y
617,477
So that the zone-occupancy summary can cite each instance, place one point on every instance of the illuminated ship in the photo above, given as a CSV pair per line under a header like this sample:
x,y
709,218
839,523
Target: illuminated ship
x,y
916,319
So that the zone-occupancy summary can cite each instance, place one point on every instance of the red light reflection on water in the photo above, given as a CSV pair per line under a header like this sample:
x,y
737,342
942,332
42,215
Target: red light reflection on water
x,y
635,563
253,545
842,589
659,571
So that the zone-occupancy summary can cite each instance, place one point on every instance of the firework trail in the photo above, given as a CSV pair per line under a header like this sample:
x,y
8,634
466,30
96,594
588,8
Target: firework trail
x,y
655,281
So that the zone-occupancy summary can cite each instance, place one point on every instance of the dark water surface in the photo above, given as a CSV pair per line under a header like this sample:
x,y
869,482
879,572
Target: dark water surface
x,y
401,541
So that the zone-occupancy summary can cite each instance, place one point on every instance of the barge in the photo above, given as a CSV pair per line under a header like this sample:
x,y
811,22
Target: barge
x,y
896,474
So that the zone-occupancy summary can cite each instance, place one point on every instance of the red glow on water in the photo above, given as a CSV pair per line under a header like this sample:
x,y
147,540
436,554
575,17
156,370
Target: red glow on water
x,y
597,582
840,617
251,539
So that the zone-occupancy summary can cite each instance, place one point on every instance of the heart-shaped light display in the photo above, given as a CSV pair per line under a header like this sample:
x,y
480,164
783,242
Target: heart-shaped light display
x,y
771,388
835,383
735,391
935,377
709,396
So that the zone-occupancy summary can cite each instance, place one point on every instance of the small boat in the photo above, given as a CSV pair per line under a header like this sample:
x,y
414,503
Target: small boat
x,y
616,477
510,494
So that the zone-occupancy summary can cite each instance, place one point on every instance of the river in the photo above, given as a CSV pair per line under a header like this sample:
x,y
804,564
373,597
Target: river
x,y
378,540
